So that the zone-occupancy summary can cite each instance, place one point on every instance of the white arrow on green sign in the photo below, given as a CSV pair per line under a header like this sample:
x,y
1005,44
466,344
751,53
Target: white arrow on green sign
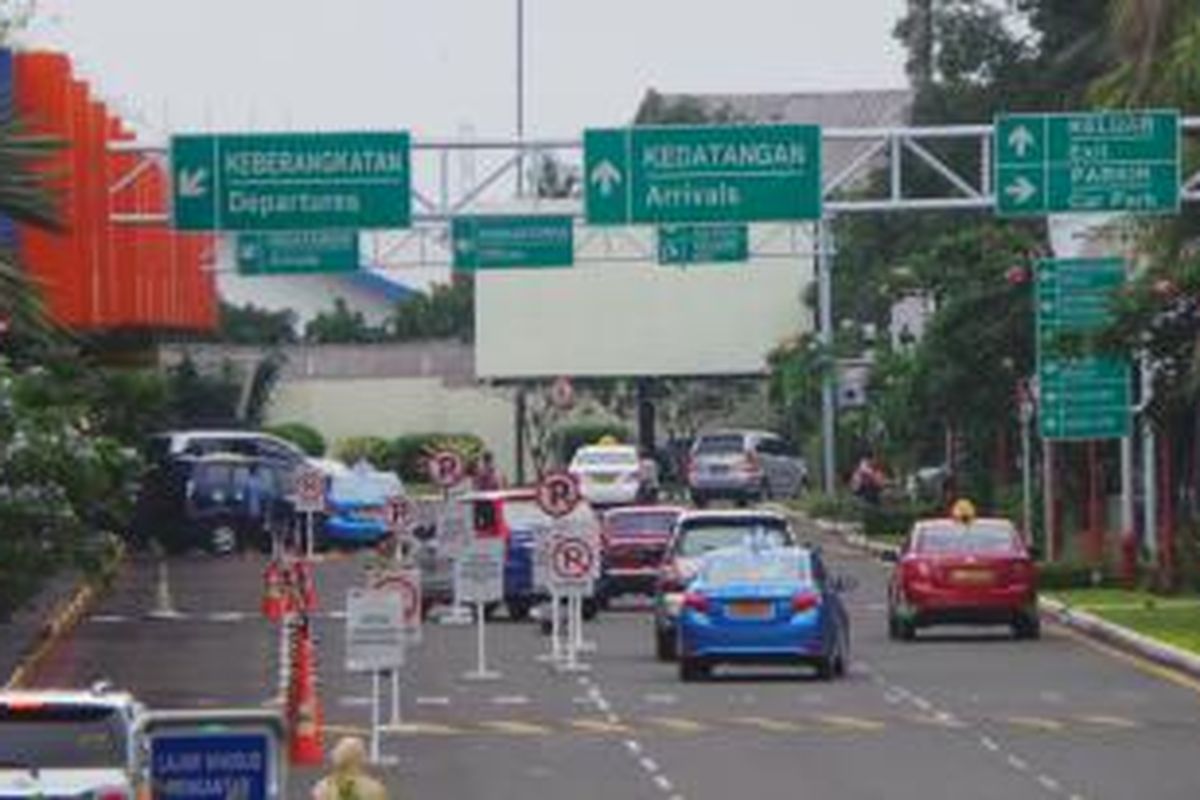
x,y
700,244
248,182
502,241
680,174
291,252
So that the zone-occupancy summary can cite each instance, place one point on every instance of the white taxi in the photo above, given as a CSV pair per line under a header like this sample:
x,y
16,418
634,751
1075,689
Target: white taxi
x,y
612,474
76,744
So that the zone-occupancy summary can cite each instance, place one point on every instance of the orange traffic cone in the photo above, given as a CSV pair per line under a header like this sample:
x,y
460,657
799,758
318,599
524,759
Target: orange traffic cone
x,y
274,601
306,747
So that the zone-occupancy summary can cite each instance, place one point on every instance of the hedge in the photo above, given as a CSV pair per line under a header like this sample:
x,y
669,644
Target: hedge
x,y
372,448
406,455
306,437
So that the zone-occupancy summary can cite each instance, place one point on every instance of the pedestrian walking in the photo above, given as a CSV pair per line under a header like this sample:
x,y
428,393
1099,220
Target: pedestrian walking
x,y
349,780
486,477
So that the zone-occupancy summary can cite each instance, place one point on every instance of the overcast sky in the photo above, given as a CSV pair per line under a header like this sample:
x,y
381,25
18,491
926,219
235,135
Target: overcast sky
x,y
438,66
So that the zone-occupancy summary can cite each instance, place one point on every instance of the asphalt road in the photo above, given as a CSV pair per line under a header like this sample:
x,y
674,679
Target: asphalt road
x,y
960,715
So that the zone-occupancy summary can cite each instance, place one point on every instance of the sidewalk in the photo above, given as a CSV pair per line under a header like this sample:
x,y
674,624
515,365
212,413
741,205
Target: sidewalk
x,y
33,624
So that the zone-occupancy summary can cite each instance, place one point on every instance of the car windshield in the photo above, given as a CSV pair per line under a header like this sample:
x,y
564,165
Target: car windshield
x,y
365,487
606,458
782,567
702,536
978,537
50,737
631,523
719,445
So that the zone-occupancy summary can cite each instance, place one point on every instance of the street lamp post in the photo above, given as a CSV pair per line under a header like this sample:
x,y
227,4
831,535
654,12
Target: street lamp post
x,y
521,97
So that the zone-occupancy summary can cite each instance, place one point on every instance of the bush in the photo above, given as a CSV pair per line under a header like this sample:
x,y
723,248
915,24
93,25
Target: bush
x,y
832,506
406,454
306,437
1072,575
565,440
357,448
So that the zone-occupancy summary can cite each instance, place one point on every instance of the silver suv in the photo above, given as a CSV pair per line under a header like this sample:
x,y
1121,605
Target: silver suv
x,y
743,466
68,744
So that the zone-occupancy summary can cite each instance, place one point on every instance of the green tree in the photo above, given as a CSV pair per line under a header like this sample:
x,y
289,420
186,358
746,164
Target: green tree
x,y
249,324
447,311
341,326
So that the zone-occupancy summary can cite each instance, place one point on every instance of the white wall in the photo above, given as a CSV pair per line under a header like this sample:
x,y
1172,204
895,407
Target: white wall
x,y
390,407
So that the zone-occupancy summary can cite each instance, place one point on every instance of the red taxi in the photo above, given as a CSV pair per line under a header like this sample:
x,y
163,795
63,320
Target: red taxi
x,y
963,570
634,540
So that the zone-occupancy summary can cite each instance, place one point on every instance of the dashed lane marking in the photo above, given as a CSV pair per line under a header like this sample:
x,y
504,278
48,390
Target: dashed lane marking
x,y
940,719
108,619
1019,764
1107,721
1034,723
510,700
422,729
661,699
227,616
851,723
1049,784
649,764
662,782
767,724
677,724
346,730
589,725
433,700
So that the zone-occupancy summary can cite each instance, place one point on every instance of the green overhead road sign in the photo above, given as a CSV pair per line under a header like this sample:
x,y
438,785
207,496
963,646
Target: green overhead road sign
x,y
1087,397
699,244
745,173
246,182
497,242
1125,161
288,252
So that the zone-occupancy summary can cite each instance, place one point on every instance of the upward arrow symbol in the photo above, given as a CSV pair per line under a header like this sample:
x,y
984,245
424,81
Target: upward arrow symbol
x,y
1021,140
606,176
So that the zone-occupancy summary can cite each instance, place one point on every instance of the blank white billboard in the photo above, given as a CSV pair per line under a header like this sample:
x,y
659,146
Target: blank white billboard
x,y
622,314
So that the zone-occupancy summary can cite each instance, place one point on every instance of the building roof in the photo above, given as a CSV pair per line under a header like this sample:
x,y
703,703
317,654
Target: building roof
x,y
871,108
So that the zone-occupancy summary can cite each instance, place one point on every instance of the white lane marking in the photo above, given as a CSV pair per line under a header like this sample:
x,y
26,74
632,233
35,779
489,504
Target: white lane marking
x,y
603,705
584,680
1049,783
436,700
661,782
227,616
613,719
109,619
922,703
354,701
581,700
989,743
510,700
633,746
663,699
648,764
1053,698
1018,764
336,615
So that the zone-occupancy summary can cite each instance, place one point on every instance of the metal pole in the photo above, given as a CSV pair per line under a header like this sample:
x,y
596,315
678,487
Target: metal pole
x,y
1149,467
1127,486
521,97
825,335
1048,500
309,534
375,721
1026,471
396,697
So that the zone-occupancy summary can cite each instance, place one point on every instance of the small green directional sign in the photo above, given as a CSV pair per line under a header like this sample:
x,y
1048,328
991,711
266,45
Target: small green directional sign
x,y
290,252
1123,161
513,242
1086,397
293,181
701,244
706,174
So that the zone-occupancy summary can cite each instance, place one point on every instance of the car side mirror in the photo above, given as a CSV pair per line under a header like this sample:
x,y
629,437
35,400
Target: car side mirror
x,y
890,556
841,584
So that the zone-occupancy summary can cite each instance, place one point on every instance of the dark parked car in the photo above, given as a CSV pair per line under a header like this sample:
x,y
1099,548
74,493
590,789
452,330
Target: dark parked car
x,y
221,503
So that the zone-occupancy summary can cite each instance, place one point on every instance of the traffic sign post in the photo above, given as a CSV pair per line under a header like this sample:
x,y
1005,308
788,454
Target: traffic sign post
x,y
446,468
574,567
198,755
670,174
1088,397
1123,161
309,500
514,242
406,582
558,494
290,181
375,644
479,579
681,245
292,252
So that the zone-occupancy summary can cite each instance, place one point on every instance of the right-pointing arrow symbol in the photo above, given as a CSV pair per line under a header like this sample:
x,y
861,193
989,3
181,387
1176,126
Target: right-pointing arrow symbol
x,y
1021,190
606,176
1021,140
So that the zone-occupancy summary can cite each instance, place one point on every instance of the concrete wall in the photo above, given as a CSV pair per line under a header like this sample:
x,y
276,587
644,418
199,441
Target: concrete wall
x,y
341,408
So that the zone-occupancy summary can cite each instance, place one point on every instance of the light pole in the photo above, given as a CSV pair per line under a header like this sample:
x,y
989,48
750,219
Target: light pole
x,y
521,98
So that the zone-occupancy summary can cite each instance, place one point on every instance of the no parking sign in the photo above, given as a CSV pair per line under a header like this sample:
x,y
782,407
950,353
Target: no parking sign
x,y
573,560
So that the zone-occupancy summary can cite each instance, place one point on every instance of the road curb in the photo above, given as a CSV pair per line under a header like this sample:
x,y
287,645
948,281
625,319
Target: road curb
x,y
61,623
1089,625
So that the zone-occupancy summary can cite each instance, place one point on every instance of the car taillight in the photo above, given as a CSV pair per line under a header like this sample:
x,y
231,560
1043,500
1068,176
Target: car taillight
x,y
750,463
669,579
110,794
696,602
916,569
805,601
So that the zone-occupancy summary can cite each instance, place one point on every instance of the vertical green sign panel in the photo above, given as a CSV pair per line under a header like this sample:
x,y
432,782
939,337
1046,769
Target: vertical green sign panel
x,y
499,242
677,174
290,252
699,244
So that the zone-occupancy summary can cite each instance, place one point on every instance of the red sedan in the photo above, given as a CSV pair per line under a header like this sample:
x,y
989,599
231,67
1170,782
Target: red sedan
x,y
963,572
634,539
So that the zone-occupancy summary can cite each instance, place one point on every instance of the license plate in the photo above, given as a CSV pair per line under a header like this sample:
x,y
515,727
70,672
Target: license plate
x,y
750,610
972,577
603,478
718,469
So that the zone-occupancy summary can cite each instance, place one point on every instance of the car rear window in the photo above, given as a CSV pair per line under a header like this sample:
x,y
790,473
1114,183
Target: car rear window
x,y
720,445
629,524
979,538
698,537
65,737
758,568
606,458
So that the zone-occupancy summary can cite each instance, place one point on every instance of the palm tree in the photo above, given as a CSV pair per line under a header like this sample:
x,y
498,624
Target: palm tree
x,y
1158,46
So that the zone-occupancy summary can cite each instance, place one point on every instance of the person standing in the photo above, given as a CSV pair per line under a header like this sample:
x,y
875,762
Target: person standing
x,y
348,780
486,477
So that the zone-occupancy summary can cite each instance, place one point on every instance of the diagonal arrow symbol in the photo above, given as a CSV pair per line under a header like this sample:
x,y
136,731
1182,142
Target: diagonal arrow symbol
x,y
193,183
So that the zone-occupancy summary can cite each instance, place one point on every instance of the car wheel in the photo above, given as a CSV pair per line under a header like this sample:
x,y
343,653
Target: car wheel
x,y
693,669
665,646
590,609
518,609
841,664
222,539
825,668
906,631
764,492
1027,626
699,500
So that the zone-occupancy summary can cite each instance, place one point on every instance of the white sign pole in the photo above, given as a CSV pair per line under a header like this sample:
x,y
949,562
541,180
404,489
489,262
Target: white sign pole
x,y
556,653
375,717
311,533
396,721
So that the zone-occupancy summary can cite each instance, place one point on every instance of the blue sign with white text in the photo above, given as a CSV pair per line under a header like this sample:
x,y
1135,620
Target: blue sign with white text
x,y
199,766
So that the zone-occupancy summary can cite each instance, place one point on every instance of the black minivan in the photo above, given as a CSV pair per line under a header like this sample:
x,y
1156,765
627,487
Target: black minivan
x,y
219,502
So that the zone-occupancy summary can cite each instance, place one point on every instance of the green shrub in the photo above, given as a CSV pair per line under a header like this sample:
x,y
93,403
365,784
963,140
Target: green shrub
x,y
565,440
306,437
1071,575
372,448
406,454
832,506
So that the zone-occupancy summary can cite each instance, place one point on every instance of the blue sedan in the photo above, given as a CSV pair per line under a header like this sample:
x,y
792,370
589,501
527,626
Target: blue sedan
x,y
763,606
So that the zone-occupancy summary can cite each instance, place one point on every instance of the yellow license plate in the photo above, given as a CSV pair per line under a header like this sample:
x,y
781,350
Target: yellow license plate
x,y
603,478
972,577
750,610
